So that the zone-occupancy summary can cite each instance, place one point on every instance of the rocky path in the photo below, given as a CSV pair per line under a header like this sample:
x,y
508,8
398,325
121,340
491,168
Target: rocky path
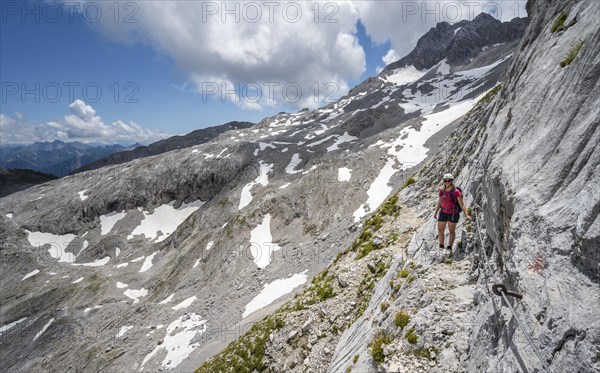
x,y
388,303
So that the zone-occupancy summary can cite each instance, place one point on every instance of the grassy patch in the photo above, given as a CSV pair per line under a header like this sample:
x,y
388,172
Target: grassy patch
x,y
367,248
322,286
389,207
425,352
355,359
410,181
379,339
401,319
559,23
411,337
404,273
384,306
573,52
246,353
490,95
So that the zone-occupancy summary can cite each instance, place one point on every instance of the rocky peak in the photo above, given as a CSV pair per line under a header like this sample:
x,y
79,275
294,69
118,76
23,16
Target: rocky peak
x,y
461,41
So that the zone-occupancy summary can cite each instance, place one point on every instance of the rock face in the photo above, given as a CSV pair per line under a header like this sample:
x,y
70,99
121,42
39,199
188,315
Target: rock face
x,y
197,137
461,41
97,280
528,156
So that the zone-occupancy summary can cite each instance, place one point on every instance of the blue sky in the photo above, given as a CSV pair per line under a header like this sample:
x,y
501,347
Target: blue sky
x,y
151,85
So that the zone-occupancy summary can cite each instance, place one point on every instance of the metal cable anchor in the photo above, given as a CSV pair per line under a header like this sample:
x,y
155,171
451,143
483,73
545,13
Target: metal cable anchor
x,y
498,289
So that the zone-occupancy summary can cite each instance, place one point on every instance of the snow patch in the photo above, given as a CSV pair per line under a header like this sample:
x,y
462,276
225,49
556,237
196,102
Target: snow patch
x,y
261,243
165,219
167,299
262,179
123,330
121,285
8,327
39,334
108,221
344,174
378,191
89,309
78,280
291,168
83,247
97,263
58,244
32,273
404,75
135,294
284,186
209,245
274,290
185,304
443,67
82,196
340,140
148,262
178,345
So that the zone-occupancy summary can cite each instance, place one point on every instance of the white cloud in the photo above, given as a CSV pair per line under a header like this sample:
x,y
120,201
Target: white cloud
x,y
83,111
390,56
83,125
308,45
259,48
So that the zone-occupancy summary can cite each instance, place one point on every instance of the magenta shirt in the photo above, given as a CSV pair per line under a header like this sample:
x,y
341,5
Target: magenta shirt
x,y
448,206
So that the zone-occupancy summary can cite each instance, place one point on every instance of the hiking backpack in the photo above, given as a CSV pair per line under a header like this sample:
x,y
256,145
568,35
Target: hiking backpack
x,y
456,204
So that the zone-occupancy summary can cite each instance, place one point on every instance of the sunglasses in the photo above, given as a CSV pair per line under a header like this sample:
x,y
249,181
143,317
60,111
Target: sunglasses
x,y
447,181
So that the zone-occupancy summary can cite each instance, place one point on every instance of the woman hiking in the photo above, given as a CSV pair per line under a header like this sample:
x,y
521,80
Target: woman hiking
x,y
451,203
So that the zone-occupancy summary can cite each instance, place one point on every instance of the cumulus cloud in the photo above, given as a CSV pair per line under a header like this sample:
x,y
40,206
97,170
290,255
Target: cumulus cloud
x,y
390,56
263,51
82,125
280,44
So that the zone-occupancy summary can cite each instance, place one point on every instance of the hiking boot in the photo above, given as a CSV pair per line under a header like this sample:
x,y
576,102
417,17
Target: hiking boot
x,y
441,246
449,248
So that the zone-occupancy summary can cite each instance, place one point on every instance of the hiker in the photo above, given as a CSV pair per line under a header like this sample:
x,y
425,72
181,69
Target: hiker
x,y
451,203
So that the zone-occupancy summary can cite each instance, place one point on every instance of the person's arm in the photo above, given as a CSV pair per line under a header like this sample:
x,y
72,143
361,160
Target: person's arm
x,y
462,206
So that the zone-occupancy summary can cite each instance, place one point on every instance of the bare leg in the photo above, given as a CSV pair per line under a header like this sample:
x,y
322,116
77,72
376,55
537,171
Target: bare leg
x,y
452,229
441,229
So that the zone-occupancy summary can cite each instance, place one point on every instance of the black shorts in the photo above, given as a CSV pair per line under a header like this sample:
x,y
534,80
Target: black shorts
x,y
449,217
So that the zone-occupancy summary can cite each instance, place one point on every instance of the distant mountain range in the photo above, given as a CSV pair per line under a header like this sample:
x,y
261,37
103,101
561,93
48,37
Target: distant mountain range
x,y
56,158
61,158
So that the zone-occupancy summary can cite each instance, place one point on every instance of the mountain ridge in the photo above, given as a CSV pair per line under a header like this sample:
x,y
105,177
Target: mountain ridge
x,y
174,142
